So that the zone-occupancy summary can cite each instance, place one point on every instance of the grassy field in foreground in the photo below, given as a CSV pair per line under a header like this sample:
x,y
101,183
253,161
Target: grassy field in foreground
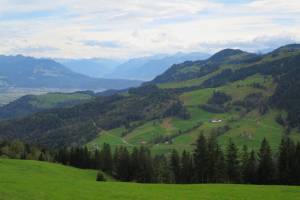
x,y
34,180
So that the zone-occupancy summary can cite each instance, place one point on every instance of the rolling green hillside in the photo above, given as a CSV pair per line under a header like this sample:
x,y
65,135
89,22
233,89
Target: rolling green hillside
x,y
79,124
246,126
190,70
30,104
34,180
233,94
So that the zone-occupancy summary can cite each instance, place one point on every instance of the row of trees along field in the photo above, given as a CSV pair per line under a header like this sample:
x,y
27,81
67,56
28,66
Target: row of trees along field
x,y
208,163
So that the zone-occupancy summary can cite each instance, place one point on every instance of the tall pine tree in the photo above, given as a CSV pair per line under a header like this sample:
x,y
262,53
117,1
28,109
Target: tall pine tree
x,y
283,162
106,161
145,166
232,163
296,171
186,168
213,156
162,172
175,166
201,159
265,171
221,166
249,168
122,164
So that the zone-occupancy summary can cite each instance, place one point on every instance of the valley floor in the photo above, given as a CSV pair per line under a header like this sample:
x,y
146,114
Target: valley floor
x,y
32,180
10,94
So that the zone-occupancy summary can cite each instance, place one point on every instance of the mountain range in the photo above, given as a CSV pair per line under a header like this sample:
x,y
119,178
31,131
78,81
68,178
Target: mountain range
x,y
143,68
93,67
28,72
233,94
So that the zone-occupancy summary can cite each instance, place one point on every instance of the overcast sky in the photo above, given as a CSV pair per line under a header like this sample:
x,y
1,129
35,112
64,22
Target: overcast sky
x,y
133,28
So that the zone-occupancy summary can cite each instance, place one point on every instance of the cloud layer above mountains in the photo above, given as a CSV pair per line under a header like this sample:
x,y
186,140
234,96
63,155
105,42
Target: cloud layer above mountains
x,y
131,28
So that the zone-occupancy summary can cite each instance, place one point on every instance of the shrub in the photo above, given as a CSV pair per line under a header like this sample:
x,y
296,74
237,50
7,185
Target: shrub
x,y
219,98
100,177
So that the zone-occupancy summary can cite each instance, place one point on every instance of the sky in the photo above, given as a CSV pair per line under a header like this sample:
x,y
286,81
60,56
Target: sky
x,y
135,28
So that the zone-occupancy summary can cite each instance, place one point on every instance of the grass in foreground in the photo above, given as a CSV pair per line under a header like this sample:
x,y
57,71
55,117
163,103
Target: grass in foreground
x,y
39,180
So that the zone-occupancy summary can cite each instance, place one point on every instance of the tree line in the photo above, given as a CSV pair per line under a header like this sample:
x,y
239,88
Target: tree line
x,y
16,149
208,163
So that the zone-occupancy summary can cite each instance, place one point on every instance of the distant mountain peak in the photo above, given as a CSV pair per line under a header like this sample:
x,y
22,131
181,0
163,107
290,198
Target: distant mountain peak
x,y
29,72
226,53
291,47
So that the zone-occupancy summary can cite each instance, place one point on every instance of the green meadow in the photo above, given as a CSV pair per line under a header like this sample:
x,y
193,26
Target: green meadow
x,y
33,180
51,100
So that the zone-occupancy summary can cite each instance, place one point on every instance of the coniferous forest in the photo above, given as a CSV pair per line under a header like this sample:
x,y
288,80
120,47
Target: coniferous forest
x,y
208,163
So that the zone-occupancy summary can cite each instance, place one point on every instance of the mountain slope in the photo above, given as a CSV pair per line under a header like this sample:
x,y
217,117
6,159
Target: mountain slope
x,y
81,123
46,73
189,70
262,90
233,94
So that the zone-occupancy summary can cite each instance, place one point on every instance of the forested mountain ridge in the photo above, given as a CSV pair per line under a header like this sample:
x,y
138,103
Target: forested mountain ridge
x,y
283,64
259,95
28,72
189,70
233,59
81,123
233,94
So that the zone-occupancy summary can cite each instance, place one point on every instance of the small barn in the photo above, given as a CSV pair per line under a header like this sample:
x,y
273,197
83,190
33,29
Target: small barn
x,y
216,121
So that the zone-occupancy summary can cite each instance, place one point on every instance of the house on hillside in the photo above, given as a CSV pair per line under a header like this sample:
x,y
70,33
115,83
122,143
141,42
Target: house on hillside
x,y
216,121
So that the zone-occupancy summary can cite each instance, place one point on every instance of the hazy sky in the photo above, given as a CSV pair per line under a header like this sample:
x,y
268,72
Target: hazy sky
x,y
132,28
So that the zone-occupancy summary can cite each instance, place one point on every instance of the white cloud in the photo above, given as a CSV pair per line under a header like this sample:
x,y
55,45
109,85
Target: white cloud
x,y
129,28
